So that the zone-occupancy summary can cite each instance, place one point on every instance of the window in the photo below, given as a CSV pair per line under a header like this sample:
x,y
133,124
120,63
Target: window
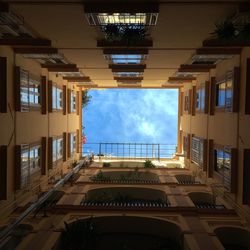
x,y
122,18
198,153
200,99
57,98
125,59
30,163
127,74
222,165
29,90
72,144
186,103
72,102
57,149
224,92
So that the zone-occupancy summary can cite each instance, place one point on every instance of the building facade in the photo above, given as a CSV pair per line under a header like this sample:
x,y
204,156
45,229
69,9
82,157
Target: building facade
x,y
52,195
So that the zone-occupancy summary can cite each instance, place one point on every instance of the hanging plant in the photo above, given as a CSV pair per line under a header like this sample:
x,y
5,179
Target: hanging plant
x,y
225,30
244,32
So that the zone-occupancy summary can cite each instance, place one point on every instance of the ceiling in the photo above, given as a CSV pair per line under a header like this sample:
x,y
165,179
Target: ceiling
x,y
180,30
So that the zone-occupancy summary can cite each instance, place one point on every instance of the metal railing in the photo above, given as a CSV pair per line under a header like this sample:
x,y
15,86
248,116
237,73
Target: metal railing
x,y
11,227
122,150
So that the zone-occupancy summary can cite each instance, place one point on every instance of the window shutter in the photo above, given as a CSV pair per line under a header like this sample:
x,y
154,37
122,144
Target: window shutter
x,y
44,95
205,146
181,106
206,97
234,167
3,172
212,95
17,88
189,101
3,85
193,100
69,100
78,141
246,178
50,152
69,143
64,99
210,158
64,146
43,155
18,163
236,89
247,97
77,103
50,109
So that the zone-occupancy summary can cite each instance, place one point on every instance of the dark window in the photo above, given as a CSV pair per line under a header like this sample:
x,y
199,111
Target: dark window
x,y
186,103
222,165
224,92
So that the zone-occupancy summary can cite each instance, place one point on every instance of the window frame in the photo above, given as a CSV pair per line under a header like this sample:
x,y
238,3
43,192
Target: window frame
x,y
72,144
226,180
55,142
73,101
25,180
228,80
57,88
201,101
25,79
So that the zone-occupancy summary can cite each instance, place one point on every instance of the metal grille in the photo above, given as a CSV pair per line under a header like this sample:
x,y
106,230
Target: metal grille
x,y
99,19
131,150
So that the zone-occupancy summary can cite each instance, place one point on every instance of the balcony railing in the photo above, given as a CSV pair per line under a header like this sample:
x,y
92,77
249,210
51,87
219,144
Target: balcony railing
x,y
152,151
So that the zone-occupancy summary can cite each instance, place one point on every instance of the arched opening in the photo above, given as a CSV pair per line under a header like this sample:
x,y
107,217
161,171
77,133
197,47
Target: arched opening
x,y
120,232
16,237
185,179
233,238
128,196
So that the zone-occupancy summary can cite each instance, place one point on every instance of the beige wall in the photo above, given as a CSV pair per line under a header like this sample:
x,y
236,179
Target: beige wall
x,y
29,127
225,128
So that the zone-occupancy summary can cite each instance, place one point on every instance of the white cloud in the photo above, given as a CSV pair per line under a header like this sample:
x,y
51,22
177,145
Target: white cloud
x,y
134,115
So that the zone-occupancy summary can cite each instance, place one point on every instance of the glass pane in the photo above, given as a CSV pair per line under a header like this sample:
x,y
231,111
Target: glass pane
x,y
219,161
54,150
54,97
59,99
221,94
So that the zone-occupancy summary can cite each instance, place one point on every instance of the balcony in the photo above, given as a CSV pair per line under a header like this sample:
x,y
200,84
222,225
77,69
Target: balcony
x,y
137,151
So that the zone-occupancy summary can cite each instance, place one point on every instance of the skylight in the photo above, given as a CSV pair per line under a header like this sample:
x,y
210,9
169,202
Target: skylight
x,y
127,74
126,59
122,18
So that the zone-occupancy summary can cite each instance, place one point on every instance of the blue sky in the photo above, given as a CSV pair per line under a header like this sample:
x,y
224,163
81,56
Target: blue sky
x,y
132,115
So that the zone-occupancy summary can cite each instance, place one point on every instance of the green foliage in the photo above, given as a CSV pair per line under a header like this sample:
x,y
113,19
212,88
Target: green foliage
x,y
149,164
85,98
225,30
245,31
79,235
99,177
128,33
106,164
